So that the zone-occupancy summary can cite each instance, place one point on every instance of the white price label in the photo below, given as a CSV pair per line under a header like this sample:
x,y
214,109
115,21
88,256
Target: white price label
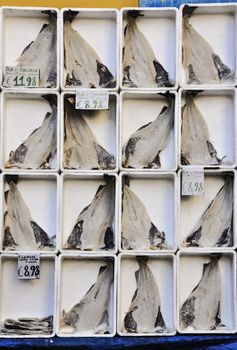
x,y
28,266
192,183
19,76
92,99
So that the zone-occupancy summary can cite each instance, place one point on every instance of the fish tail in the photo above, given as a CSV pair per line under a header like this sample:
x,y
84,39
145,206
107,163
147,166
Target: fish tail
x,y
142,259
51,99
188,10
70,15
12,178
134,14
214,257
52,14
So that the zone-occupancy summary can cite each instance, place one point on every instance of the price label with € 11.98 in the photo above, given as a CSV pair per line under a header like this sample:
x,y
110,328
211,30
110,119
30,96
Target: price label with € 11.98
x,y
192,183
19,76
28,266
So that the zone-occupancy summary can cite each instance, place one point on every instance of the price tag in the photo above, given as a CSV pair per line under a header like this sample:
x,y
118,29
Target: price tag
x,y
19,76
192,182
28,266
92,99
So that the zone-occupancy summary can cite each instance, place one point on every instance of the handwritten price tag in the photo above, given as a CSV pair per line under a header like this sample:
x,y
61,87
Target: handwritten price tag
x,y
92,99
19,76
192,183
28,266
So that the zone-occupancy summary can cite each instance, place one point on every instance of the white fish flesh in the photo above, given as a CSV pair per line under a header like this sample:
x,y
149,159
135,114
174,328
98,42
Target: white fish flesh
x,y
144,314
39,149
83,65
21,232
201,310
91,314
138,231
202,65
93,228
196,147
143,147
215,226
42,53
140,66
81,149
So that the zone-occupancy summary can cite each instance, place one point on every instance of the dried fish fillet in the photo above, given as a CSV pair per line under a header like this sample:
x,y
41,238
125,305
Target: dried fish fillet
x,y
93,229
201,310
21,232
28,326
196,148
144,314
215,226
202,65
138,231
143,148
42,53
91,314
140,66
81,149
39,149
83,66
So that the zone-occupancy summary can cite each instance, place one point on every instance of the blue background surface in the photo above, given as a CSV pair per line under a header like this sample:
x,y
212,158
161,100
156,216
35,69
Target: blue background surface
x,y
175,3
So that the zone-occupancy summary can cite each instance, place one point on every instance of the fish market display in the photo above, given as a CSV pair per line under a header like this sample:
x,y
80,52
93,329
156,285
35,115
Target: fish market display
x,y
28,326
138,231
21,232
39,149
93,228
91,314
81,149
215,226
144,314
201,310
42,53
83,65
143,148
196,147
140,66
202,65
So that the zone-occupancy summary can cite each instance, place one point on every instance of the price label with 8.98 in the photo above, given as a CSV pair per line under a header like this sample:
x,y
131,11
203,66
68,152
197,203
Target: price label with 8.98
x,y
28,266
192,183
19,76
92,99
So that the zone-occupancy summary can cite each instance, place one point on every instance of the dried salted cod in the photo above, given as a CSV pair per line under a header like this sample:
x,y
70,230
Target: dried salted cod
x,y
196,148
39,149
93,229
81,149
201,310
138,231
143,148
140,66
144,314
28,326
21,232
83,66
215,226
91,314
42,53
202,65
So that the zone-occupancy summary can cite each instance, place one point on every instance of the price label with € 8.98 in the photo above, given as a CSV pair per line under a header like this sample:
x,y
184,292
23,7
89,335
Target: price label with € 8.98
x,y
192,182
28,265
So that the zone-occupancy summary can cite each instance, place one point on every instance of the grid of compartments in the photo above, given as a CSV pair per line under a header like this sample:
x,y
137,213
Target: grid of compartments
x,y
99,192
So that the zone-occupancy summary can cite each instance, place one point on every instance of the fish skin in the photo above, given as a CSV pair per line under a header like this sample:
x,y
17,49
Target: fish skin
x,y
143,147
140,66
91,313
19,227
202,65
39,149
214,229
42,53
83,65
138,231
81,149
144,314
196,148
93,227
201,310
28,326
